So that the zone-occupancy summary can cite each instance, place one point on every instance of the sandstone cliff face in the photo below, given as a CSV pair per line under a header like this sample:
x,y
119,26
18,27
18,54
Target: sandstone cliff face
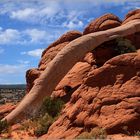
x,y
109,98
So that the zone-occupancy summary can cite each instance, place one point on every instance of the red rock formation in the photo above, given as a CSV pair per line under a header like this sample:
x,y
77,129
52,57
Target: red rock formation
x,y
101,55
106,97
48,54
109,98
135,14
102,23
31,76
107,21
134,38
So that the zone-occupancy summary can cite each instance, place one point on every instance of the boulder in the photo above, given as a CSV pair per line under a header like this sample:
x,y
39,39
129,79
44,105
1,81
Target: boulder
x,y
31,76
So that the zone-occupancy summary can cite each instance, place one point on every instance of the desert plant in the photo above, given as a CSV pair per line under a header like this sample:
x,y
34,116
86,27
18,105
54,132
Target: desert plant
x,y
137,133
52,107
3,125
124,46
1,97
43,125
47,115
96,133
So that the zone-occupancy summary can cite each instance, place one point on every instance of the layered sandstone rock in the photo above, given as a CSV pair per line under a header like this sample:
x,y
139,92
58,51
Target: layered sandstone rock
x,y
109,98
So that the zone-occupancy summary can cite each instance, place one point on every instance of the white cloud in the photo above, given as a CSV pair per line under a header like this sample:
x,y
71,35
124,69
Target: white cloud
x,y
34,53
23,62
36,35
9,36
11,69
24,14
36,13
73,24
13,36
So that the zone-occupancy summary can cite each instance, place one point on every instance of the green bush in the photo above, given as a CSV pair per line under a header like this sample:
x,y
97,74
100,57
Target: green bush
x,y
124,46
137,133
96,133
52,107
1,97
3,125
43,125
47,115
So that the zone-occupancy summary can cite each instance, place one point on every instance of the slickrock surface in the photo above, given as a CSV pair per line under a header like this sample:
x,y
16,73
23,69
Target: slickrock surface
x,y
109,98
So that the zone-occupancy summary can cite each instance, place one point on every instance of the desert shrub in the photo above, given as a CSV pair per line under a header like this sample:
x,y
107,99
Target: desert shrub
x,y
50,110
43,125
3,125
96,133
137,133
52,107
124,46
1,97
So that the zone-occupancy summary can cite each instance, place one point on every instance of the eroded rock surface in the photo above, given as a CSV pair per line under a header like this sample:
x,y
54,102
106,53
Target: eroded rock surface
x,y
109,98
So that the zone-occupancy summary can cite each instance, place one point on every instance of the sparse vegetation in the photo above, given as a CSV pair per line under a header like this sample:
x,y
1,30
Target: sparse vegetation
x,y
1,97
96,133
52,107
137,133
124,46
47,115
3,125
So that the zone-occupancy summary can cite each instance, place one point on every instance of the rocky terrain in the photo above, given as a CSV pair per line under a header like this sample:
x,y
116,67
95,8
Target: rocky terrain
x,y
102,91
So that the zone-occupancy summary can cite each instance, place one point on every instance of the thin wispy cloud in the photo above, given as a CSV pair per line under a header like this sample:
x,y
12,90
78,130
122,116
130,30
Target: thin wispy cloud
x,y
27,36
34,53
12,69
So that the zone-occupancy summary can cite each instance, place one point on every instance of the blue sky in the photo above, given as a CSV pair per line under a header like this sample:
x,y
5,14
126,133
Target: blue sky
x,y
29,26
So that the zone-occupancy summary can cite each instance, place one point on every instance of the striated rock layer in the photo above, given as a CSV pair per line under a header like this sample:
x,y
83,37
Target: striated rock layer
x,y
109,98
